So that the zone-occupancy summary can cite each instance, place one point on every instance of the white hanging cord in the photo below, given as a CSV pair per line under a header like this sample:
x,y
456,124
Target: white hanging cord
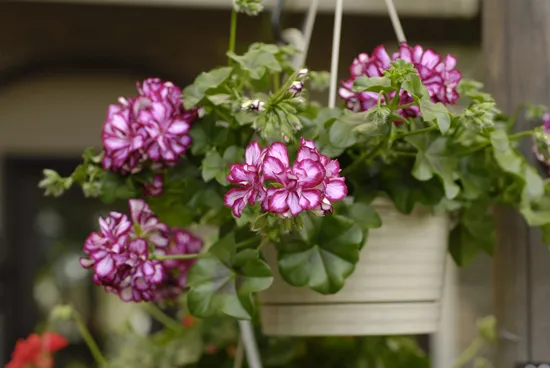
x,y
308,30
337,32
250,345
395,22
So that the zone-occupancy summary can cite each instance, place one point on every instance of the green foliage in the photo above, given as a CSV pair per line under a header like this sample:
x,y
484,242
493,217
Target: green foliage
x,y
463,163
250,7
325,251
224,279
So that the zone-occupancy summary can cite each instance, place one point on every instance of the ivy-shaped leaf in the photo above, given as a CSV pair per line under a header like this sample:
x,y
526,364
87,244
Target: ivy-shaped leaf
x,y
433,158
406,191
413,84
474,234
213,166
435,112
324,254
372,84
256,62
194,94
533,206
507,158
341,135
223,281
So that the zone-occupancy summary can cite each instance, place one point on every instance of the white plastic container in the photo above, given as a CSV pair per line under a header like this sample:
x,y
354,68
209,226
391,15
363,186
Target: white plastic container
x,y
396,287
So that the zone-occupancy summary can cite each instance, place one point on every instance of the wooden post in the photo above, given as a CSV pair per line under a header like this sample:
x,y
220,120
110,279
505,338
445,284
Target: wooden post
x,y
516,42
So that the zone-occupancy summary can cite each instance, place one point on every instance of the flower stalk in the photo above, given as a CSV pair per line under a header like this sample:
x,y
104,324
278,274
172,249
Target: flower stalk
x,y
88,339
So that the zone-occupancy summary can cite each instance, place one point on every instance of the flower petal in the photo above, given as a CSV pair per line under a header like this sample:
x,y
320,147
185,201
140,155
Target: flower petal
x,y
336,190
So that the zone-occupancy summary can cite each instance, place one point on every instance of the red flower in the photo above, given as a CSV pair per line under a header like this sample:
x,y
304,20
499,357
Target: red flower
x,y
36,351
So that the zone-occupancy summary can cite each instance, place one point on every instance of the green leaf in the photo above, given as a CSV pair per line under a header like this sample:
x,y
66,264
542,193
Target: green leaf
x,y
474,234
223,281
372,84
432,158
195,93
114,187
341,135
406,191
256,62
435,112
213,166
413,85
507,158
546,234
219,99
324,254
474,176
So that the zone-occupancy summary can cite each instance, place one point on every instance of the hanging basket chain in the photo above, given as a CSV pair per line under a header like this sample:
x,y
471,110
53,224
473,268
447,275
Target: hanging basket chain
x,y
337,32
396,22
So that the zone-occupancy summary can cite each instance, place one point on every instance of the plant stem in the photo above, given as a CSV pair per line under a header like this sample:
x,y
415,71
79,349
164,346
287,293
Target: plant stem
x,y
402,153
161,317
400,118
263,243
88,339
364,156
233,33
521,135
276,82
239,355
485,145
244,243
469,354
405,106
176,257
415,132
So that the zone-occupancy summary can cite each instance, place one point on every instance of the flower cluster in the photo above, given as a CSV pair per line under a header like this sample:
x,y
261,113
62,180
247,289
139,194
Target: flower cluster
x,y
311,183
542,141
151,128
121,254
36,351
437,73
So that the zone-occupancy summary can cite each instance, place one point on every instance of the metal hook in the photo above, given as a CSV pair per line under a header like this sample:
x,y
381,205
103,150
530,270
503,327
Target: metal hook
x,y
276,15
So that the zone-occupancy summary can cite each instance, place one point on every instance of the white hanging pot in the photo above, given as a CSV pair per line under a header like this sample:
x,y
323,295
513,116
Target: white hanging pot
x,y
396,287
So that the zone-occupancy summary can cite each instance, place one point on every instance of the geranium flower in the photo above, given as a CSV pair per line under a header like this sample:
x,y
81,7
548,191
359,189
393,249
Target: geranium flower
x,y
36,351
298,184
333,187
167,132
119,252
122,138
247,176
150,129
437,74
155,187
175,271
311,183
541,138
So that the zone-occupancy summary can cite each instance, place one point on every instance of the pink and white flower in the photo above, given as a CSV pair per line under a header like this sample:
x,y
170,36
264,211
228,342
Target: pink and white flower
x,y
175,279
148,130
120,253
155,187
437,73
311,183
247,176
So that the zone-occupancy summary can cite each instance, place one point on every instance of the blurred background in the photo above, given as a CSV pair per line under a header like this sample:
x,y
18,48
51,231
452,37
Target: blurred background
x,y
63,62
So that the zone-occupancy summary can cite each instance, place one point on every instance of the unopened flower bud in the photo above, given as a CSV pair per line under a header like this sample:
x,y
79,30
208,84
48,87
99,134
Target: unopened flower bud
x,y
61,313
302,74
253,105
296,88
542,145
249,7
